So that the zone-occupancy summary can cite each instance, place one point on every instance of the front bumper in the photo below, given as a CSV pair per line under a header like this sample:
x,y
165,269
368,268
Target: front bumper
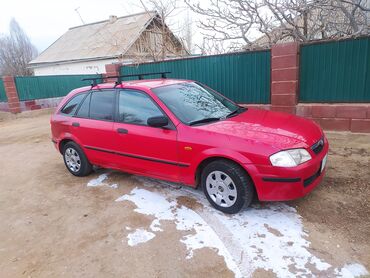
x,y
281,184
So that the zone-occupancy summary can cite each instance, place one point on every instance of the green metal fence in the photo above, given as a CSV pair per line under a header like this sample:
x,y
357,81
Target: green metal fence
x,y
335,71
36,87
242,77
3,97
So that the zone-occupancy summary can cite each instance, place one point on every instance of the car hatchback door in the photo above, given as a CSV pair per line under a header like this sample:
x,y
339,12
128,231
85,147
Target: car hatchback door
x,y
144,149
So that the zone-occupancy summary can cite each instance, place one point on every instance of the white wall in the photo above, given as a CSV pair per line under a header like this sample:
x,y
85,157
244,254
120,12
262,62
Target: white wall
x,y
90,67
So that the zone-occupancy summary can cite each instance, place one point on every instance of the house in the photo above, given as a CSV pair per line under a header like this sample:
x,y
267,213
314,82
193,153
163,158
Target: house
x,y
86,49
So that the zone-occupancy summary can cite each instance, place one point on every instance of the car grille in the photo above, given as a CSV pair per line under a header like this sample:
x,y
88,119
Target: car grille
x,y
318,146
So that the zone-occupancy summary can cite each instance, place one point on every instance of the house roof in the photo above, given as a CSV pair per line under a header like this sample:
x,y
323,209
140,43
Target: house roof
x,y
99,40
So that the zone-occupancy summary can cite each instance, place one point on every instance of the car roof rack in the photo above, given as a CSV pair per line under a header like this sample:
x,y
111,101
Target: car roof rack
x,y
93,80
119,77
141,75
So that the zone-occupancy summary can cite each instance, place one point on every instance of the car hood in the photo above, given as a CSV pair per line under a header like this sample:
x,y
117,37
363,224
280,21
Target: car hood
x,y
279,130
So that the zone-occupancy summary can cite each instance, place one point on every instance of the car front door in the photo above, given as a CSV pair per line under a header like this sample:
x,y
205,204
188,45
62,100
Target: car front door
x,y
141,148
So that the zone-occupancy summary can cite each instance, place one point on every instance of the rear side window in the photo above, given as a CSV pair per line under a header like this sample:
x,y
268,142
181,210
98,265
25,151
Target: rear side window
x,y
83,111
101,105
72,105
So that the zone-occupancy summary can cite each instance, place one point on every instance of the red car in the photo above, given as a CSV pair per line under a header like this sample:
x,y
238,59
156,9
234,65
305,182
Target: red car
x,y
182,131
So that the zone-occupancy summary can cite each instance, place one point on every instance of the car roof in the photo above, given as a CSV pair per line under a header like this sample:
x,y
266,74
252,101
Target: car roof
x,y
146,83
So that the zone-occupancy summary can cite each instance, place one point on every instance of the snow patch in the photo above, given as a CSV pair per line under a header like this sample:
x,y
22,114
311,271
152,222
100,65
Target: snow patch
x,y
156,226
273,238
99,181
202,235
352,270
139,236
114,186
268,236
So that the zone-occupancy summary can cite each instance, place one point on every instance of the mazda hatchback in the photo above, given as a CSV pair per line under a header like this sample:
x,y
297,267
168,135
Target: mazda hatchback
x,y
182,131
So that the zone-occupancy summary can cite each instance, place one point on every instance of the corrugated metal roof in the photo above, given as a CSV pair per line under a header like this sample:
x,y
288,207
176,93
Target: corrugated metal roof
x,y
92,41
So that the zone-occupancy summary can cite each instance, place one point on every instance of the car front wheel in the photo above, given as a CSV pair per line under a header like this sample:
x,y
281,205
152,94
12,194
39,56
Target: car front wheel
x,y
75,160
227,186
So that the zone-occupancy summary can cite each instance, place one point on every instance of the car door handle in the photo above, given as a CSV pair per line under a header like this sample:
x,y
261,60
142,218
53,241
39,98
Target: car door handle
x,y
75,124
122,130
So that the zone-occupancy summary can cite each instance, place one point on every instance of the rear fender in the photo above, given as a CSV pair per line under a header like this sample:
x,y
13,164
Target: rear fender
x,y
68,136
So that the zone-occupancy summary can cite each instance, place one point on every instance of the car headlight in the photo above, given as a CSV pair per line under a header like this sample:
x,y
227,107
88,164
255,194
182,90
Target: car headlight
x,y
290,158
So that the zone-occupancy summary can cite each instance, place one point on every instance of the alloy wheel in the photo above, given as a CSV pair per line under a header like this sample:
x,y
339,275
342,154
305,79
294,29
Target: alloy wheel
x,y
221,188
72,159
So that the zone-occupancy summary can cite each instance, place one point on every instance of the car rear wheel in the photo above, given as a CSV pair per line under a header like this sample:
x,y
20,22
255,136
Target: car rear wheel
x,y
75,160
227,186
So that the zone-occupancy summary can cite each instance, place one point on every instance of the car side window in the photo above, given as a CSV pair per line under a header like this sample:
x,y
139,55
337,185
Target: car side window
x,y
72,105
136,107
101,105
83,111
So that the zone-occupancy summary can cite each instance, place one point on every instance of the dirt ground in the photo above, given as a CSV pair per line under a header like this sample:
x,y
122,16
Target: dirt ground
x,y
53,225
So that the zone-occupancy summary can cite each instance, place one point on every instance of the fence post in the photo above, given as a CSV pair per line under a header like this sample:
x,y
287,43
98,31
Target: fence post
x,y
112,70
284,77
12,94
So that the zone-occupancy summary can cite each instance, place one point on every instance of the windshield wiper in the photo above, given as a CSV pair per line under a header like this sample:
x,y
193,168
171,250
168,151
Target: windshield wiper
x,y
236,112
205,120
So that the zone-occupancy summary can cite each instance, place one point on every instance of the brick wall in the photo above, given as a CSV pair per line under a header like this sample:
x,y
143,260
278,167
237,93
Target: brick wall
x,y
112,70
284,77
341,117
11,94
40,103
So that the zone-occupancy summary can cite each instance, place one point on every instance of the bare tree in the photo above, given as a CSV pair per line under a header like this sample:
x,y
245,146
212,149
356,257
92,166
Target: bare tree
x,y
344,18
187,32
211,46
242,21
16,50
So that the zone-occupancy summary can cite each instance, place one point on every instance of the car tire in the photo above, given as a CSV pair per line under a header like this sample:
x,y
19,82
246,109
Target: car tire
x,y
227,186
75,160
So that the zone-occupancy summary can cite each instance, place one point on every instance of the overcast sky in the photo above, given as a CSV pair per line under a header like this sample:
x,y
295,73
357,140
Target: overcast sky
x,y
45,21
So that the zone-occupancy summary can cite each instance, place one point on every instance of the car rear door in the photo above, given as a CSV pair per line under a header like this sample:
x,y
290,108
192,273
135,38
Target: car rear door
x,y
141,148
61,123
93,126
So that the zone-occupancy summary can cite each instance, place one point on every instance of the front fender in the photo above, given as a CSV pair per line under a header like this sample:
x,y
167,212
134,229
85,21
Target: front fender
x,y
220,152
190,172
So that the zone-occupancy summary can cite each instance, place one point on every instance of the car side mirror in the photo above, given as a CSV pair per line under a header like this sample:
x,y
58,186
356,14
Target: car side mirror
x,y
159,121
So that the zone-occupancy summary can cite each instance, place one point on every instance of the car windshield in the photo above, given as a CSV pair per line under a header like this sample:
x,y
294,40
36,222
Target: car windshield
x,y
193,103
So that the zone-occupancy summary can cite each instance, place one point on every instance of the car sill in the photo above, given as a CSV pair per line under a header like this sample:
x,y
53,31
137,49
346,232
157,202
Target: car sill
x,y
138,157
